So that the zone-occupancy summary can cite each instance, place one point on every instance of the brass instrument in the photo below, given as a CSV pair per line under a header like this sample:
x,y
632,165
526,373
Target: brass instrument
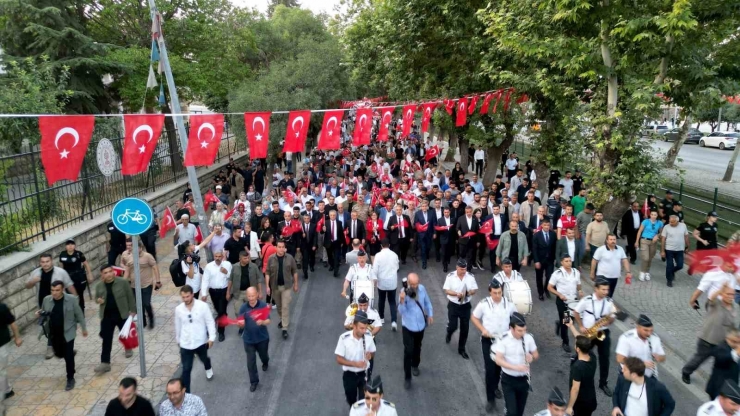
x,y
594,333
350,312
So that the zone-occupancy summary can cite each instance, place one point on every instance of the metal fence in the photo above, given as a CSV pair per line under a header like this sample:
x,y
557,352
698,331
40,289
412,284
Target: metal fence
x,y
30,210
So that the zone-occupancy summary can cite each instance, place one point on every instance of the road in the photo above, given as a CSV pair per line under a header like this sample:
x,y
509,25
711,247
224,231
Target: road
x,y
304,379
706,164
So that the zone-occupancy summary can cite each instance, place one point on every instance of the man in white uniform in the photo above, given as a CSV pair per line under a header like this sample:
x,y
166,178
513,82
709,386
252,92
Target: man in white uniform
x,y
354,351
555,404
642,343
507,273
726,404
459,286
373,403
514,353
359,271
565,284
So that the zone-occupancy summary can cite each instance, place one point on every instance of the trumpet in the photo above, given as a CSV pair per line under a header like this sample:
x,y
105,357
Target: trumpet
x,y
594,333
350,312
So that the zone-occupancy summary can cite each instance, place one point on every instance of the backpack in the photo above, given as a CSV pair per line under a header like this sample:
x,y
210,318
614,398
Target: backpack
x,y
178,277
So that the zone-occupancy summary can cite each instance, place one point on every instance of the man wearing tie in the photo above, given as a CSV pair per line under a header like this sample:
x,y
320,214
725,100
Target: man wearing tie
x,y
309,244
467,224
543,251
424,238
333,241
356,228
499,222
438,213
446,237
399,229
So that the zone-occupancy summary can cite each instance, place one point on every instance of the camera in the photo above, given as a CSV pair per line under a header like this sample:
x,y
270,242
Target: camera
x,y
43,316
567,316
194,257
409,290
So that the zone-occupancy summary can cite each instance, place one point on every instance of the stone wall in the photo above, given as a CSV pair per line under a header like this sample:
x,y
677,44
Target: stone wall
x,y
90,237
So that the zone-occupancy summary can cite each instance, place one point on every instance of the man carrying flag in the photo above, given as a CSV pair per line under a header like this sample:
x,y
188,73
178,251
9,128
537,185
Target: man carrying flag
x,y
425,222
432,154
255,335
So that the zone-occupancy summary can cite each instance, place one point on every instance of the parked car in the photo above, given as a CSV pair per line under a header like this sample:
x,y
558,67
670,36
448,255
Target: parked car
x,y
692,136
721,139
654,130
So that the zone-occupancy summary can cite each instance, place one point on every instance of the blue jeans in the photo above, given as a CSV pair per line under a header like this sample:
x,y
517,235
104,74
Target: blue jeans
x,y
582,244
672,256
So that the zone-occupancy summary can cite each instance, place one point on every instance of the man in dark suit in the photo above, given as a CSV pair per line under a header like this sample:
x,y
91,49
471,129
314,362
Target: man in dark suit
x,y
631,221
292,239
659,400
425,238
499,226
399,233
466,245
543,251
333,241
309,244
312,213
446,237
356,228
565,245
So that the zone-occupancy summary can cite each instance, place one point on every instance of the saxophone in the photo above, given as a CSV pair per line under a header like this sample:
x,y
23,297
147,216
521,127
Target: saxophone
x,y
594,333
351,311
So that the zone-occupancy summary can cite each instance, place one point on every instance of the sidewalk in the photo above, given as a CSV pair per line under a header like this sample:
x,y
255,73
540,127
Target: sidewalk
x,y
39,383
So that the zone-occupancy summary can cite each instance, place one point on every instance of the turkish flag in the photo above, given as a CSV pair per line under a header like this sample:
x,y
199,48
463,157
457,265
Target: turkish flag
x,y
646,209
386,116
204,139
330,130
469,234
408,119
507,100
471,106
363,127
225,321
492,243
230,212
257,126
422,228
522,99
167,223
462,112
295,135
442,227
498,100
198,235
702,261
426,115
64,141
138,150
486,103
486,227
320,224
210,198
431,153
449,105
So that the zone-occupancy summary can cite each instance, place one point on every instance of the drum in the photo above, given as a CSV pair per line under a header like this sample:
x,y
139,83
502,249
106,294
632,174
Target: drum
x,y
520,295
363,286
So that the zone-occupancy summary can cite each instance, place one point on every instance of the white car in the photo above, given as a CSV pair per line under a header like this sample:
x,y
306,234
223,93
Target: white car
x,y
654,130
721,139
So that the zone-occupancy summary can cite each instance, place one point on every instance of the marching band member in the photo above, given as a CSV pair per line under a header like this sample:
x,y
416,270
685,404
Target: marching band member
x,y
459,286
359,271
363,304
555,404
354,351
373,404
565,284
507,273
514,353
491,317
726,404
591,310
642,343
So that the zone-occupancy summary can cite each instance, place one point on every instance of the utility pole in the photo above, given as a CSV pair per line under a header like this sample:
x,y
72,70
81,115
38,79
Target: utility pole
x,y
177,110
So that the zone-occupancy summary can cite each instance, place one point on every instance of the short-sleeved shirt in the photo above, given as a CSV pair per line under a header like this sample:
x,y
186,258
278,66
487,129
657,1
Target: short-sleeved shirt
x,y
234,247
494,316
502,278
591,310
674,237
117,238
709,233
72,264
667,208
514,351
565,283
353,349
650,229
141,407
584,373
599,231
631,345
578,203
253,333
146,268
610,261
583,219
455,284
6,319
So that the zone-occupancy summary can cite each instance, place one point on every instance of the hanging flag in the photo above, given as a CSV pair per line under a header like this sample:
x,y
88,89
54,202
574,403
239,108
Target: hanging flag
x,y
257,126
330,130
449,105
151,81
167,223
408,119
426,115
507,99
161,94
386,116
431,153
498,99
155,51
204,139
64,141
486,103
522,99
471,106
462,113
646,209
295,135
138,148
363,127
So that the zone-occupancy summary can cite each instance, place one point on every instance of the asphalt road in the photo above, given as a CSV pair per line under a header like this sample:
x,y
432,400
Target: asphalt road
x,y
697,160
304,379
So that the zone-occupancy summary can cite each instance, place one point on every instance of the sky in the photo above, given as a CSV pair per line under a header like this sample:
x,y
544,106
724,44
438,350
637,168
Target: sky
x,y
317,6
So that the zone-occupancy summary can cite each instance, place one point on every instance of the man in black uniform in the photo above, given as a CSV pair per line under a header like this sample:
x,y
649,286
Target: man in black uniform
x,y
678,210
577,182
706,233
666,206
553,181
276,215
116,244
236,244
78,269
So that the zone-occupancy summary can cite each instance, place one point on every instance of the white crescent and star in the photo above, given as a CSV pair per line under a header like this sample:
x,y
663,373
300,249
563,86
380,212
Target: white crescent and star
x,y
409,114
256,120
462,105
298,130
328,125
362,124
387,113
146,128
209,126
66,130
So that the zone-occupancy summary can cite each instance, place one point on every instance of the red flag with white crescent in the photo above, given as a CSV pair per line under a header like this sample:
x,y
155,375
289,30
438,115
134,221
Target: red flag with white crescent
x,y
257,126
486,103
408,119
330,130
204,139
386,116
64,141
363,127
486,227
231,212
462,112
507,100
646,209
167,223
295,134
426,115
431,153
137,147
421,228
198,235
702,261
449,105
471,106
498,95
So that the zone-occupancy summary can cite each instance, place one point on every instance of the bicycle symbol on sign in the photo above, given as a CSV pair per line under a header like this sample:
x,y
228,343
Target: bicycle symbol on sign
x,y
134,216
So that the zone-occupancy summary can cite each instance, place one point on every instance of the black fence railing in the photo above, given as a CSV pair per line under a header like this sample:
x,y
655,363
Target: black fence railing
x,y
30,210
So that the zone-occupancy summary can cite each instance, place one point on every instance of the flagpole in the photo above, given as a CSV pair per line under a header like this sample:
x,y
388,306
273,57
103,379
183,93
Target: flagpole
x,y
175,101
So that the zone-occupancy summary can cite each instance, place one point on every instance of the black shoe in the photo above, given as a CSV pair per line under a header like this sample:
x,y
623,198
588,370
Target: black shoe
x,y
542,297
9,394
686,378
670,284
311,268
285,334
151,324
444,269
331,269
490,406
70,384
415,371
241,331
448,337
326,264
221,337
305,276
607,391
424,266
264,367
464,355
566,348
403,261
547,294
280,324
633,261
407,383
336,273
253,387
498,394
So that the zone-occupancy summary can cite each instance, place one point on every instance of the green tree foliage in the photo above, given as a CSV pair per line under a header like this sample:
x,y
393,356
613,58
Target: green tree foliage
x,y
275,3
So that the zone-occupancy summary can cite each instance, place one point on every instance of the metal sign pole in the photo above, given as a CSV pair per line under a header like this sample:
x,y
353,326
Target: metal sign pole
x,y
139,307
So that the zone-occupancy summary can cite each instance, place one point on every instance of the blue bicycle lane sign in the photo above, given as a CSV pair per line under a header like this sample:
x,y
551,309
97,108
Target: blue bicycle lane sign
x,y
132,216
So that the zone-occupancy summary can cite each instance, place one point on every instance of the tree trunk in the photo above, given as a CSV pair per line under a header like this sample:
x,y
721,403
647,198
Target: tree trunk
x,y
453,147
493,157
613,211
731,165
670,158
464,158
432,130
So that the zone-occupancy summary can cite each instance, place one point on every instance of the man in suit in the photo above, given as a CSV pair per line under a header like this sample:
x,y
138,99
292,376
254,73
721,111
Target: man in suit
x,y
333,241
385,213
424,238
356,228
438,212
631,221
499,226
466,245
399,232
309,244
285,231
446,237
313,215
543,250
659,401
568,245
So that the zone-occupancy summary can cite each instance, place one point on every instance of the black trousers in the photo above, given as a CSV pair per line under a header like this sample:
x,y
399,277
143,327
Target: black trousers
x,y
80,288
583,409
562,308
309,259
107,326
437,250
146,303
411,350
334,253
391,295
252,350
479,167
457,312
516,391
493,371
401,248
467,251
218,297
354,386
543,276
113,254
703,351
631,251
187,357
603,349
447,251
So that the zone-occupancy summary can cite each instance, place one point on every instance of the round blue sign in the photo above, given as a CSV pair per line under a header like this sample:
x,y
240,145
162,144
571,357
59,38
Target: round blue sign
x,y
132,216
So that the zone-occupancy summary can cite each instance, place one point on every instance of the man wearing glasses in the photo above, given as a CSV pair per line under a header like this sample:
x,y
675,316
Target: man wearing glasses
x,y
373,404
195,331
180,403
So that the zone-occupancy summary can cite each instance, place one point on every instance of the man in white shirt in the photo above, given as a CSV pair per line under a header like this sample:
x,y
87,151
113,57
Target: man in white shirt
x,y
215,283
459,286
359,271
185,231
195,331
511,165
354,351
634,391
480,157
712,281
386,269
507,273
642,343
726,404
567,183
608,261
514,353
565,284
468,196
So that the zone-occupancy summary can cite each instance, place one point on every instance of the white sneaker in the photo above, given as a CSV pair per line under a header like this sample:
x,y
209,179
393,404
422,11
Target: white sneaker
x,y
647,276
209,374
382,321
642,276
394,327
274,306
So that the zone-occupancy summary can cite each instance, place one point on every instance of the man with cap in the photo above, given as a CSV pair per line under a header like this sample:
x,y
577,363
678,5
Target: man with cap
x,y
726,404
555,404
185,231
459,287
507,273
706,233
514,353
363,304
359,271
76,265
665,209
373,403
354,351
636,394
678,210
565,284
642,343
492,318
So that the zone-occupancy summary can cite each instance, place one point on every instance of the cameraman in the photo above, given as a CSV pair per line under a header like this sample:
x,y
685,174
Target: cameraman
x,y
416,314
190,262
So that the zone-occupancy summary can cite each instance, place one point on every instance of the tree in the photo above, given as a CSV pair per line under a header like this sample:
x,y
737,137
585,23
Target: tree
x,y
275,3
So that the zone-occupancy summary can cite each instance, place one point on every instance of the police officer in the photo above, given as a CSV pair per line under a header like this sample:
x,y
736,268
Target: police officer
x,y
514,353
555,404
678,210
492,318
642,343
373,404
665,209
459,286
507,273
354,351
706,233
78,269
565,284
726,404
